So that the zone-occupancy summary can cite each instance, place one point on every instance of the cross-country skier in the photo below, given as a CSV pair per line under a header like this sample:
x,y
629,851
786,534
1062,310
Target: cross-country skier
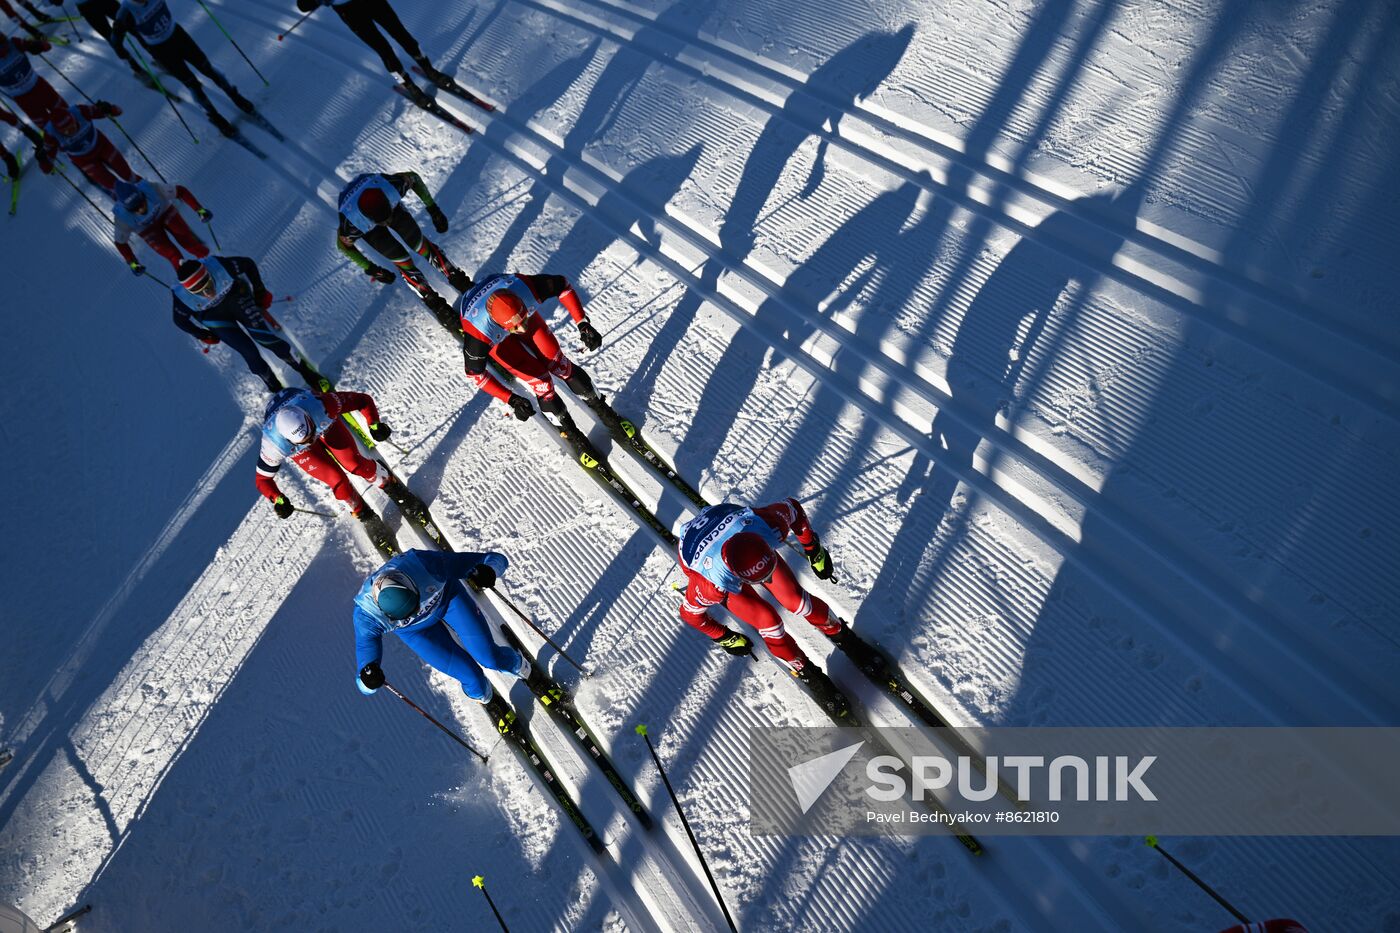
x,y
305,427
148,209
20,82
11,165
371,208
222,299
500,320
365,18
99,15
24,24
419,596
176,52
73,133
726,552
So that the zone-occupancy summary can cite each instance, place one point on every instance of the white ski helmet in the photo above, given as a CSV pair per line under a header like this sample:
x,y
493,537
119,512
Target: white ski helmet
x,y
295,424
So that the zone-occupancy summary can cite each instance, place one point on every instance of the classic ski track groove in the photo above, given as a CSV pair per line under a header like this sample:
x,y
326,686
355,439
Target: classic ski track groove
x,y
728,753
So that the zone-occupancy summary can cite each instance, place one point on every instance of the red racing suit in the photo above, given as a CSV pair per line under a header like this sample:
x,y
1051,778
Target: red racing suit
x,y
330,456
533,356
785,517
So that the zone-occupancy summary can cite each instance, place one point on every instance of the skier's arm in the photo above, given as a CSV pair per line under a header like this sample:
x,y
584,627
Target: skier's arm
x,y
243,265
699,597
787,517
184,194
345,237
181,316
124,248
358,401
475,352
406,181
369,641
545,287
269,462
457,566
32,46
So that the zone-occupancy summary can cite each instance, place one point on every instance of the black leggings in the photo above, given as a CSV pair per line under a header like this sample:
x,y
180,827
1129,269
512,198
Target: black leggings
x,y
384,242
99,15
362,16
230,329
178,53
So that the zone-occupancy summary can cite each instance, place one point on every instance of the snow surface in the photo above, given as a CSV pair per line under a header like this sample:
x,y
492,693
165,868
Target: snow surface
x,y
1073,323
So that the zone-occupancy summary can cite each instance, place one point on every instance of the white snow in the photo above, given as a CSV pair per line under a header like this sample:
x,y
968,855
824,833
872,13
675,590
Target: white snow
x,y
1072,322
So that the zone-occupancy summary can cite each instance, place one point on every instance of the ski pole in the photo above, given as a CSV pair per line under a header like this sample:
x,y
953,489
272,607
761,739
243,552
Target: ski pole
x,y
297,508
159,281
428,716
64,175
215,237
642,731
1152,843
480,883
72,22
530,622
304,17
265,82
115,122
161,87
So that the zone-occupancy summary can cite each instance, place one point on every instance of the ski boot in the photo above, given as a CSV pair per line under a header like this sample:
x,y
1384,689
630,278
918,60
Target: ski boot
x,y
502,716
440,78
408,503
545,690
582,386
863,655
379,534
557,415
221,124
413,92
458,279
825,692
241,102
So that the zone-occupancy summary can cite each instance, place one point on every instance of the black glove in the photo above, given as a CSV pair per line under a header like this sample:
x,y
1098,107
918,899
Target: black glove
x,y
819,558
205,214
372,676
137,268
306,6
735,644
519,404
379,431
379,274
482,577
588,335
438,218
282,507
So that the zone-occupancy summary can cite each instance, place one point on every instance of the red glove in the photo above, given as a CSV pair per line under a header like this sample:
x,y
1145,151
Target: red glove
x,y
108,109
266,300
208,339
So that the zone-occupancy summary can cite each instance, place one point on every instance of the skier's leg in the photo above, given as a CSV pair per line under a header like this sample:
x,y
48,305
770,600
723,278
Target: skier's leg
x,y
391,249
317,461
237,341
200,61
475,635
403,224
183,235
515,355
11,166
347,454
157,240
98,13
752,608
790,594
383,14
97,173
360,18
436,646
111,157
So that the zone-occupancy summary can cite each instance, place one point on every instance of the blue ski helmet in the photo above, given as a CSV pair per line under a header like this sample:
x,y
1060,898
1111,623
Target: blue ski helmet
x,y
127,194
395,594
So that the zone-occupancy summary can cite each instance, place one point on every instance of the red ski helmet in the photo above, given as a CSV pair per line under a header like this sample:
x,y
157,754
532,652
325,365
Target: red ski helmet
x,y
374,205
507,310
750,557
194,276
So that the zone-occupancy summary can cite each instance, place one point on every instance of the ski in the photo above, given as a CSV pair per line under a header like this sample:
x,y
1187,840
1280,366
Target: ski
x,y
557,701
408,502
379,534
452,87
884,673
509,726
596,467
436,110
14,183
627,433
6,756
65,924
